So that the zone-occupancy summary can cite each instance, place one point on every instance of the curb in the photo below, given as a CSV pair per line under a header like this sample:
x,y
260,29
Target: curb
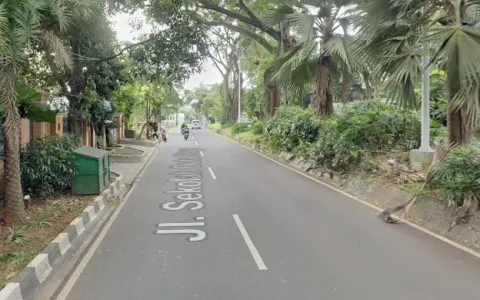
x,y
25,284
130,158
138,142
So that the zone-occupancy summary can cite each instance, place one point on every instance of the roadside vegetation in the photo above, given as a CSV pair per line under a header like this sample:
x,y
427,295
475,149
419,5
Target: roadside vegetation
x,y
338,82
62,58
369,139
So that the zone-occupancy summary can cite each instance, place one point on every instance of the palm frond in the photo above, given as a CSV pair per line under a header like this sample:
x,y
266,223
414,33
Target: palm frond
x,y
400,74
276,16
343,47
55,45
303,23
295,69
302,76
468,99
457,53
62,10
3,25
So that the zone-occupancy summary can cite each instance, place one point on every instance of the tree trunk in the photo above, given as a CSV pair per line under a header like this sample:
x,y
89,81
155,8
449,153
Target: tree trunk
x,y
235,98
456,121
457,133
13,205
345,92
237,92
323,98
228,101
74,119
272,94
368,87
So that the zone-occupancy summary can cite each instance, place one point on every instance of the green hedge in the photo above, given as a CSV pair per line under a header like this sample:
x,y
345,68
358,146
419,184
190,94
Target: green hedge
x,y
239,128
458,174
48,165
364,128
290,127
257,127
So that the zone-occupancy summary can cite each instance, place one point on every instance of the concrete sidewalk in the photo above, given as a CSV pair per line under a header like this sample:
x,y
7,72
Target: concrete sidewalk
x,y
130,170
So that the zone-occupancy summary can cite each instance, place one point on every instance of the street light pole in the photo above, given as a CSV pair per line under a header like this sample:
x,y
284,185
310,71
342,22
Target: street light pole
x,y
424,155
425,140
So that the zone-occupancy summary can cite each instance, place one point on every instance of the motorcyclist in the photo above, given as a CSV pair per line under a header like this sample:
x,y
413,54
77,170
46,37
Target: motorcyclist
x,y
183,127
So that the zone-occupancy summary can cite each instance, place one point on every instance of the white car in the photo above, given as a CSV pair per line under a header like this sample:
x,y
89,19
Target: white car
x,y
196,124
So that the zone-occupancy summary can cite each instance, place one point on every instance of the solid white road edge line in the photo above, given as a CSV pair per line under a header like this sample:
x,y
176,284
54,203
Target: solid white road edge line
x,y
93,248
211,173
253,250
422,229
201,153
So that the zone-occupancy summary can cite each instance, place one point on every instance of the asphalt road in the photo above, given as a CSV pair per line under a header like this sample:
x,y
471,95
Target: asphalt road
x,y
212,220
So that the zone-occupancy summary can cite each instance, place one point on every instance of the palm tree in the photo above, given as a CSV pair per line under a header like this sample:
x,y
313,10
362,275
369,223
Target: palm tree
x,y
393,36
20,27
323,52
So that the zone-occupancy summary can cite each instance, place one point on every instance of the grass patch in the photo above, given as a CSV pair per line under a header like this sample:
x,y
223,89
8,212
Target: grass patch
x,y
249,137
44,220
228,130
215,126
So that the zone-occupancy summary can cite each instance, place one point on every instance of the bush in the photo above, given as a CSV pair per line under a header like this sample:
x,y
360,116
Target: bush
x,y
48,165
257,127
364,128
239,128
458,174
291,126
438,110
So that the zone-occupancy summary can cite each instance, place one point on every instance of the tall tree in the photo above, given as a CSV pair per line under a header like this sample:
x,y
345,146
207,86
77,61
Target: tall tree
x,y
250,24
224,53
398,31
321,49
21,27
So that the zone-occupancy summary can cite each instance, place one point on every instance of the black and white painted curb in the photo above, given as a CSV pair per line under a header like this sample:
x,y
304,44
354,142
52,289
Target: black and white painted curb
x,y
40,268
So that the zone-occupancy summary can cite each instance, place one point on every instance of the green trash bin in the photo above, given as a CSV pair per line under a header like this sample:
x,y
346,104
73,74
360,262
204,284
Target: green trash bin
x,y
93,171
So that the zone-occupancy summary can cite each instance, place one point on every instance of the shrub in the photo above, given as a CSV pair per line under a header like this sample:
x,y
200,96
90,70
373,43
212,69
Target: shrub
x,y
364,128
458,174
438,110
48,165
291,126
239,128
257,127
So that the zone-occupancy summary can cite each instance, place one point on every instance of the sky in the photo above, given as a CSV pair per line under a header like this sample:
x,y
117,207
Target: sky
x,y
125,33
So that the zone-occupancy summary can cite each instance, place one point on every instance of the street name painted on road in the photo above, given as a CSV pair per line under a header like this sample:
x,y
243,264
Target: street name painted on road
x,y
188,179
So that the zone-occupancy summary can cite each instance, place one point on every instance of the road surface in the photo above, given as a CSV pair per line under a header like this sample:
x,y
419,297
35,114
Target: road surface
x,y
210,219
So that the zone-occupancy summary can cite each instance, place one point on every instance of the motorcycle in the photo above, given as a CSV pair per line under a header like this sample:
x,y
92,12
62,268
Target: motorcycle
x,y
186,133
164,136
